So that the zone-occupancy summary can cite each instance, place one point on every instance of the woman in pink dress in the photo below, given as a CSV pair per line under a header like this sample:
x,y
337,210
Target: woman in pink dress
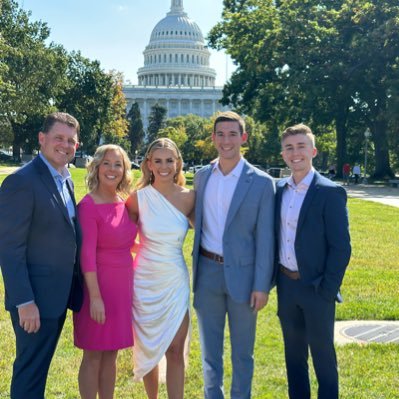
x,y
104,323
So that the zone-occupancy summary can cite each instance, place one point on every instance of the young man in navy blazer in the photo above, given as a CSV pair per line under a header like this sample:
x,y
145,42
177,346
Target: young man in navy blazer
x,y
313,253
39,242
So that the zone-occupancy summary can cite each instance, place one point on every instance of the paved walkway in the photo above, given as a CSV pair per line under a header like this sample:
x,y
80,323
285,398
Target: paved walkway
x,y
383,194
6,170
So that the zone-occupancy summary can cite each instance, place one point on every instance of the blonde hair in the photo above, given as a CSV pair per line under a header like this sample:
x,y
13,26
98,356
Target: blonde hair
x,y
124,187
299,129
147,177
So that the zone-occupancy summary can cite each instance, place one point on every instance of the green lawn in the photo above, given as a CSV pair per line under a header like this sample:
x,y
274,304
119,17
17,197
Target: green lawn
x,y
370,291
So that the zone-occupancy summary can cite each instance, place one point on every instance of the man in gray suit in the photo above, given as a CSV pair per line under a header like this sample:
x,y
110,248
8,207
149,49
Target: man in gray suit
x,y
232,256
39,241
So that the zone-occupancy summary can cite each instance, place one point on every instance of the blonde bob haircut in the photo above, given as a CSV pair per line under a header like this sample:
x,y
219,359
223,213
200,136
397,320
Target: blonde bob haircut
x,y
124,187
147,177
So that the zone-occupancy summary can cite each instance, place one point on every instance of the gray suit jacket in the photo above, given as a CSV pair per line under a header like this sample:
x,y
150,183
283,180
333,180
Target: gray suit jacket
x,y
38,243
248,239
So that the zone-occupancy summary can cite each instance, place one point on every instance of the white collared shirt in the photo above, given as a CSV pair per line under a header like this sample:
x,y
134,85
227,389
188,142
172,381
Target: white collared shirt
x,y
217,198
292,200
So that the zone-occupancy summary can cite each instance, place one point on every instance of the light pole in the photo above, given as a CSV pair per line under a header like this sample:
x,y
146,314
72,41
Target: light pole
x,y
367,135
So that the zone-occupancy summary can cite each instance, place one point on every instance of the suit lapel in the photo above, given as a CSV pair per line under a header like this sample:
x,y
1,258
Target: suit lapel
x,y
50,184
243,184
200,195
312,190
279,197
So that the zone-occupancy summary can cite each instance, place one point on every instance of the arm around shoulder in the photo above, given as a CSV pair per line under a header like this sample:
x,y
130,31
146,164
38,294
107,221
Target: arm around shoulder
x,y
132,205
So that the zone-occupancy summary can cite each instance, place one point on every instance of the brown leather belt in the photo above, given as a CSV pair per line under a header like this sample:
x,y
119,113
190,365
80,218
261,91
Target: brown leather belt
x,y
215,257
289,273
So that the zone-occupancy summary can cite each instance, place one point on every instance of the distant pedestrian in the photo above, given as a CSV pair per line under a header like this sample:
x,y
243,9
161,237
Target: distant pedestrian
x,y
356,172
346,171
331,171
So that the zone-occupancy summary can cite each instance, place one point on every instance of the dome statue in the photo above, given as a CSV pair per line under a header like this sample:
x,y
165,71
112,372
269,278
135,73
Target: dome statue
x,y
176,72
176,54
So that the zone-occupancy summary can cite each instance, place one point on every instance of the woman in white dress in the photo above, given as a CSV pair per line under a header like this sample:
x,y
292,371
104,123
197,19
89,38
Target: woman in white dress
x,y
161,205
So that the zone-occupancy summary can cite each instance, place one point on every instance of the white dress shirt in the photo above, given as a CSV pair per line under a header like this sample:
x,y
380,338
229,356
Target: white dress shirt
x,y
292,200
217,198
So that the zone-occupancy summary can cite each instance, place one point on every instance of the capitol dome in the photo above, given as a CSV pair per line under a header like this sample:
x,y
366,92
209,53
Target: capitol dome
x,y
176,54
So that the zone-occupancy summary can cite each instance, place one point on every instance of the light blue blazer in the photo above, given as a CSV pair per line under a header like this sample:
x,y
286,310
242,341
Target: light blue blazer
x,y
248,239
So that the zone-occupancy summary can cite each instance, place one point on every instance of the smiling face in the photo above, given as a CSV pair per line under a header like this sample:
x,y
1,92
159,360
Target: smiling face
x,y
298,153
228,139
163,164
111,169
59,144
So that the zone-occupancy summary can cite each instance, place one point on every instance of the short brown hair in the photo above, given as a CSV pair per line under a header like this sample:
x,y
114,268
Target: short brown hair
x,y
299,129
230,116
61,117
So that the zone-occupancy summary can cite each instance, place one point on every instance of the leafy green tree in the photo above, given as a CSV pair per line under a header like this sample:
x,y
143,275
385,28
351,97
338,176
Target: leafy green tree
x,y
314,61
136,131
176,134
198,146
32,73
88,95
116,127
157,121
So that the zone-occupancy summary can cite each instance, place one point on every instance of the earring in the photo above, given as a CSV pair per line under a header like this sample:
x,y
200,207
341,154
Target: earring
x,y
152,178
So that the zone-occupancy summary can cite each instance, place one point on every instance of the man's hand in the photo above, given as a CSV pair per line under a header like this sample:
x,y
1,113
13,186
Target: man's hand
x,y
258,300
97,310
29,317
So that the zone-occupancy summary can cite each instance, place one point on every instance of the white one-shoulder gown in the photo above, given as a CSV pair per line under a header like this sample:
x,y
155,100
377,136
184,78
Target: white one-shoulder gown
x,y
161,280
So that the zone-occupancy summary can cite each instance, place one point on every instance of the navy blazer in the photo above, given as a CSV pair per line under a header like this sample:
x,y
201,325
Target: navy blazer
x,y
39,246
322,242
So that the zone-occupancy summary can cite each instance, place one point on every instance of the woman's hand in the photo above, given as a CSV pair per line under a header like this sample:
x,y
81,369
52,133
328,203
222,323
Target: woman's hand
x,y
97,310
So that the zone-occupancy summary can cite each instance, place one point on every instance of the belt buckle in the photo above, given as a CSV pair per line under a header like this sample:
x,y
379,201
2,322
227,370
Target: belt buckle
x,y
218,258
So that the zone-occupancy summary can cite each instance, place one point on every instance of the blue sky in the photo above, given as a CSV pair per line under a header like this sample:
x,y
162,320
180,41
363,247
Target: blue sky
x,y
115,32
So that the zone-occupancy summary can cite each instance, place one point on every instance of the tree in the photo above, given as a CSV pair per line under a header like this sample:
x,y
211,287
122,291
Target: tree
x,y
32,74
88,95
156,121
116,126
198,146
314,61
177,135
136,131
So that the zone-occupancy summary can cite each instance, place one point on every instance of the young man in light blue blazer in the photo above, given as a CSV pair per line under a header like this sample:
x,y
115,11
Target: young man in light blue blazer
x,y
232,256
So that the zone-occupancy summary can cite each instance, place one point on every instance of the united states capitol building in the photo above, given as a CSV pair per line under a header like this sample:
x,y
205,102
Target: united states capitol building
x,y
176,72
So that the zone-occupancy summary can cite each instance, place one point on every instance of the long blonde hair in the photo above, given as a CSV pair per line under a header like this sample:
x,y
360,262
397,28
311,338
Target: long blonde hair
x,y
124,187
164,142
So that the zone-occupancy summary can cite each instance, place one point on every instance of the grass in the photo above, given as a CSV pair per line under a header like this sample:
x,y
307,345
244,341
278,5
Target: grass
x,y
370,291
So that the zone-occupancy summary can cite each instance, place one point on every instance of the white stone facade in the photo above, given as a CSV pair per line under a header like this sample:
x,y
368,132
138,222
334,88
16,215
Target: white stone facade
x,y
176,72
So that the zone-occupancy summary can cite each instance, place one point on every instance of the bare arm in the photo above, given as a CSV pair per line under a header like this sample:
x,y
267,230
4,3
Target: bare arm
x,y
132,205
